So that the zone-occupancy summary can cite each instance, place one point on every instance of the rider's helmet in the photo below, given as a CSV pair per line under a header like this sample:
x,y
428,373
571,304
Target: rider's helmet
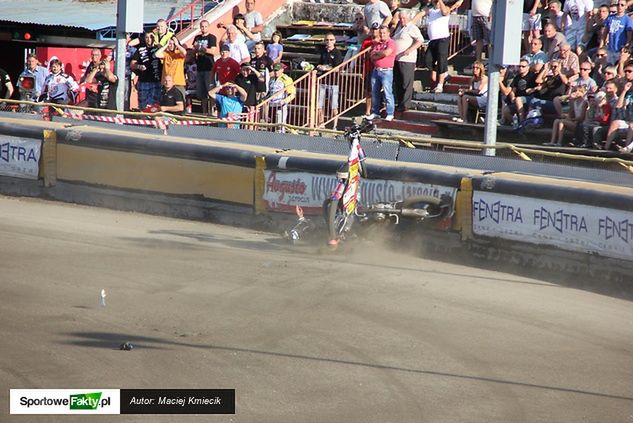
x,y
342,172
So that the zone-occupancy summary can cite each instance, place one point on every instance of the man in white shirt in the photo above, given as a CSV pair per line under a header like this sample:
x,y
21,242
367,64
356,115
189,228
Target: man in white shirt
x,y
376,11
577,10
239,51
408,40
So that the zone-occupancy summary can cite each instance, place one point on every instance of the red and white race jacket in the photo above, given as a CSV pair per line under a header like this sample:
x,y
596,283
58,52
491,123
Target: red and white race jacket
x,y
60,88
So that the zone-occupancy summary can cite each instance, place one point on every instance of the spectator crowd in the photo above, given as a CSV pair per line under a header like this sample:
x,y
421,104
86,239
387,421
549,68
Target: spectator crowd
x,y
576,69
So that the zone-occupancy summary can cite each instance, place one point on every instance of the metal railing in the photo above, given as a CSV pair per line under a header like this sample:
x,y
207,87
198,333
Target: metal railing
x,y
188,15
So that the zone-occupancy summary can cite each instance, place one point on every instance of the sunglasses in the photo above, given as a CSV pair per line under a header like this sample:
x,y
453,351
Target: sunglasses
x,y
523,66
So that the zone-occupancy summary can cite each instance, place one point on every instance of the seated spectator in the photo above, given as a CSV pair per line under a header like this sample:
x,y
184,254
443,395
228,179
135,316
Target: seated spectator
x,y
577,10
521,88
611,90
149,69
239,51
59,87
106,85
173,55
476,97
172,99
617,32
591,132
568,60
577,109
225,69
275,50
330,58
536,57
583,79
623,116
552,40
504,91
548,86
600,66
230,104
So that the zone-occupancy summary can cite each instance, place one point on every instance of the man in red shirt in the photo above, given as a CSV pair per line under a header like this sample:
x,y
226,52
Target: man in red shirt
x,y
225,69
383,56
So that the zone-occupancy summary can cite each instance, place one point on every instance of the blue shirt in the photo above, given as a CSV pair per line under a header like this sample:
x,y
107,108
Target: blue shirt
x,y
40,73
617,27
229,106
273,50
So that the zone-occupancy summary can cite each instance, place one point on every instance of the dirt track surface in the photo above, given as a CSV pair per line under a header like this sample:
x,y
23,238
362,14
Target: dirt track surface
x,y
374,336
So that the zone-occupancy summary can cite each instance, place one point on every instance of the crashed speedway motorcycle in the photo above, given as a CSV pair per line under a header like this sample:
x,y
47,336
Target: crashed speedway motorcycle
x,y
343,207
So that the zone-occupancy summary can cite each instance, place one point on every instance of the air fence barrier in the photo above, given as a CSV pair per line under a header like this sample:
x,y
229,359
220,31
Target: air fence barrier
x,y
591,221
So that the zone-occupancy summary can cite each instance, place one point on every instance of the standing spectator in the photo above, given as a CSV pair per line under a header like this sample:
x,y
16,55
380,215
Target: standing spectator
x,y
162,33
576,115
92,97
263,65
394,10
171,99
205,45
552,40
243,33
536,57
106,85
254,23
476,96
480,26
330,57
6,87
59,87
531,25
556,16
230,104
522,87
191,76
281,91
408,40
593,31
368,43
577,10
238,49
436,56
359,27
617,32
247,80
173,56
225,69
149,70
377,11
275,50
129,75
31,80
383,56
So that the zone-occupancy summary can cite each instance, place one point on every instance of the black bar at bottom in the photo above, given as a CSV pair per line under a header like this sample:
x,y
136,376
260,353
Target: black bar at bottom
x,y
177,401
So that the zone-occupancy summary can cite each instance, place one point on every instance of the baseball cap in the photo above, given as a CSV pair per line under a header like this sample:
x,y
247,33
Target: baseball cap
x,y
600,95
245,65
225,48
375,25
277,67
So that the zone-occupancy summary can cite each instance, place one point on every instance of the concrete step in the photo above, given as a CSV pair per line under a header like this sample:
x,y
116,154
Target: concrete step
x,y
446,98
425,128
423,115
431,106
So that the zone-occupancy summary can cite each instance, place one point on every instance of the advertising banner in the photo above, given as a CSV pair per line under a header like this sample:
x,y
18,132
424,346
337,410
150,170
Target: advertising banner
x,y
568,226
285,190
20,157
